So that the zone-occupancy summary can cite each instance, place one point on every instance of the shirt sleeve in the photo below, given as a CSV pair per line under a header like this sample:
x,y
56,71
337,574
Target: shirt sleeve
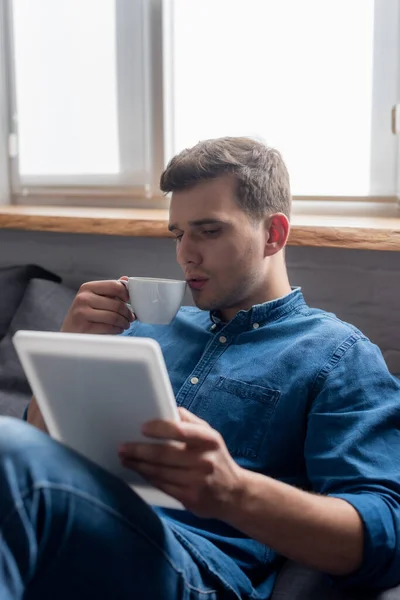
x,y
131,330
352,452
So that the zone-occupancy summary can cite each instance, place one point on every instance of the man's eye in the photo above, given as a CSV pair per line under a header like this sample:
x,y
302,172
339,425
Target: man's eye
x,y
211,232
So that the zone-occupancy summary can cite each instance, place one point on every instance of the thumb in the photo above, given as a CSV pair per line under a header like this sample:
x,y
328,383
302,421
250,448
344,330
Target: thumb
x,y
189,417
124,277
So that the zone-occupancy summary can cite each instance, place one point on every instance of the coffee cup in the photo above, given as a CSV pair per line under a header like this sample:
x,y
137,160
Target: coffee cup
x,y
155,301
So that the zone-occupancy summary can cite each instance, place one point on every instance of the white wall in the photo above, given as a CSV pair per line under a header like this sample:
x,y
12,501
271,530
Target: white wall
x,y
360,286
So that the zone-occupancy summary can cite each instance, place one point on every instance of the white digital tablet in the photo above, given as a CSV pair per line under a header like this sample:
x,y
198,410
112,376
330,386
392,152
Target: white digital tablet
x,y
95,392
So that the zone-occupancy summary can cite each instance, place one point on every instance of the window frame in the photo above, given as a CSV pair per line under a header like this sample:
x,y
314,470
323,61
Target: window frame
x,y
5,184
386,64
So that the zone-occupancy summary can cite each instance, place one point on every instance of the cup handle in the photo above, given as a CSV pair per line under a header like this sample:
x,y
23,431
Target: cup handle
x,y
125,283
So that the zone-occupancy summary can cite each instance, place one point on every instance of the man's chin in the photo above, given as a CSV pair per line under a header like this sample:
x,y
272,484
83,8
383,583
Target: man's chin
x,y
200,302
204,303
201,305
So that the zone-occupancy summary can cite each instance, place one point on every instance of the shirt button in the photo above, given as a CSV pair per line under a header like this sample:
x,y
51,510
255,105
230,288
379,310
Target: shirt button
x,y
256,325
222,339
213,327
194,380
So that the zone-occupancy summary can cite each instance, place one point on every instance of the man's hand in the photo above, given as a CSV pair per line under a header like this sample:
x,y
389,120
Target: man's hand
x,y
99,307
194,465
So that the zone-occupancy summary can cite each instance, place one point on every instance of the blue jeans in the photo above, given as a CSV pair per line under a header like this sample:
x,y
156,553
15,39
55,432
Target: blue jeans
x,y
68,529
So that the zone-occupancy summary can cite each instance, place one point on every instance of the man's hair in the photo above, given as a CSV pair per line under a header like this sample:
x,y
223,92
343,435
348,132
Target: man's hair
x,y
263,185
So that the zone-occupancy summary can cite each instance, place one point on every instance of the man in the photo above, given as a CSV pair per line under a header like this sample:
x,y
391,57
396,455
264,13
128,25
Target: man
x,y
289,443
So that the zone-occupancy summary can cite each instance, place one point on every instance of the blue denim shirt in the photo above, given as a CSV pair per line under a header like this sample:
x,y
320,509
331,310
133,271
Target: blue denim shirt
x,y
300,396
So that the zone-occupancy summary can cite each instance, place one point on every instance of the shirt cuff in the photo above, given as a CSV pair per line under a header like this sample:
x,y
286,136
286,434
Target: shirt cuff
x,y
381,560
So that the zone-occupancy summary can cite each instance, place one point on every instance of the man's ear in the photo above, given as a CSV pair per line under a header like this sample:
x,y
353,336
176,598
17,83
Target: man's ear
x,y
277,232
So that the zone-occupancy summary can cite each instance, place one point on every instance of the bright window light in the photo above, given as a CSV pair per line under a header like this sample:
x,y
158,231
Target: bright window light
x,y
296,74
65,71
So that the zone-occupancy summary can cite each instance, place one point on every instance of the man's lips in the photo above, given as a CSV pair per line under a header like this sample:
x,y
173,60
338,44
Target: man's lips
x,y
196,283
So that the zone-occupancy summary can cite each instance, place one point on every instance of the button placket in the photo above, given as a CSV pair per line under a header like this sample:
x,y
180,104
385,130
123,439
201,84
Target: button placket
x,y
193,384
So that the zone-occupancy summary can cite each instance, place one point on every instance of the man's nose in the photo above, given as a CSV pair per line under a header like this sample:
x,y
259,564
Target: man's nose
x,y
187,252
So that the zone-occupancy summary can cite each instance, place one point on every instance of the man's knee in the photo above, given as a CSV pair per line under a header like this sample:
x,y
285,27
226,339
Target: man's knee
x,y
26,453
16,434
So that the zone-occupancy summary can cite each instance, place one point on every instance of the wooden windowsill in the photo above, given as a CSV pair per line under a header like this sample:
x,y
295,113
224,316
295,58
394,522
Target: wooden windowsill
x,y
336,225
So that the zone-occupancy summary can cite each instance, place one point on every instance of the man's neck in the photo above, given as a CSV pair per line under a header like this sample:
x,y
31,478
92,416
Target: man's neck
x,y
276,286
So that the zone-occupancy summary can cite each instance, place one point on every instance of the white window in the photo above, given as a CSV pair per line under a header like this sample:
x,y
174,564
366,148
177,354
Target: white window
x,y
82,102
100,93
317,79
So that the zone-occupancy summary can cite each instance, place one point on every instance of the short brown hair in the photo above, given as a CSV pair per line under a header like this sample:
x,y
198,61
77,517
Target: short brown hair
x,y
262,178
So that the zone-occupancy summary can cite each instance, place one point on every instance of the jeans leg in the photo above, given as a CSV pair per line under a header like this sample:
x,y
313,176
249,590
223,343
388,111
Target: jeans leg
x,y
69,529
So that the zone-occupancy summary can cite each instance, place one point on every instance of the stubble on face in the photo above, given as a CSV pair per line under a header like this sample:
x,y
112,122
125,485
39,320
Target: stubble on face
x,y
234,287
233,260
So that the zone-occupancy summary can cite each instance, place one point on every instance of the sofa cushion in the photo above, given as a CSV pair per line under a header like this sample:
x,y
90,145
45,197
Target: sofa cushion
x,y
13,284
296,582
43,308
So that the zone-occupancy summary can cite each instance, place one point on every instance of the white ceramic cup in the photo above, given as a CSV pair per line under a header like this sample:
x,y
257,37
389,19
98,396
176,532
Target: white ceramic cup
x,y
154,300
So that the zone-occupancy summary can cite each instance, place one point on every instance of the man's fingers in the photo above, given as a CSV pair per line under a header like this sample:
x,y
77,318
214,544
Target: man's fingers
x,y
112,288
170,488
189,417
158,475
110,304
99,307
106,317
162,474
193,434
172,454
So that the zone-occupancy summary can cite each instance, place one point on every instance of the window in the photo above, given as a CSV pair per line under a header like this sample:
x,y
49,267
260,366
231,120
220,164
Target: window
x,y
66,84
317,80
82,105
100,93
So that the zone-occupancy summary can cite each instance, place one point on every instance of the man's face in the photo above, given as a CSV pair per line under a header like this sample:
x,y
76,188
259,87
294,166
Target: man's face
x,y
220,250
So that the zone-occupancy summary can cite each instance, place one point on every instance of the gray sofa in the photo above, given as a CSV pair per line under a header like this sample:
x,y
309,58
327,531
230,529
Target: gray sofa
x,y
296,582
33,298
30,298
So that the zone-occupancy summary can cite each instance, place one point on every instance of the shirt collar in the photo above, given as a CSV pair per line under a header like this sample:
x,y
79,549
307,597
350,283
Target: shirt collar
x,y
261,314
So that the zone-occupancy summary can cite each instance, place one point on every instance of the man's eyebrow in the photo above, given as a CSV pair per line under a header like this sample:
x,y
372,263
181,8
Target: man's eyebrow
x,y
198,223
201,222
